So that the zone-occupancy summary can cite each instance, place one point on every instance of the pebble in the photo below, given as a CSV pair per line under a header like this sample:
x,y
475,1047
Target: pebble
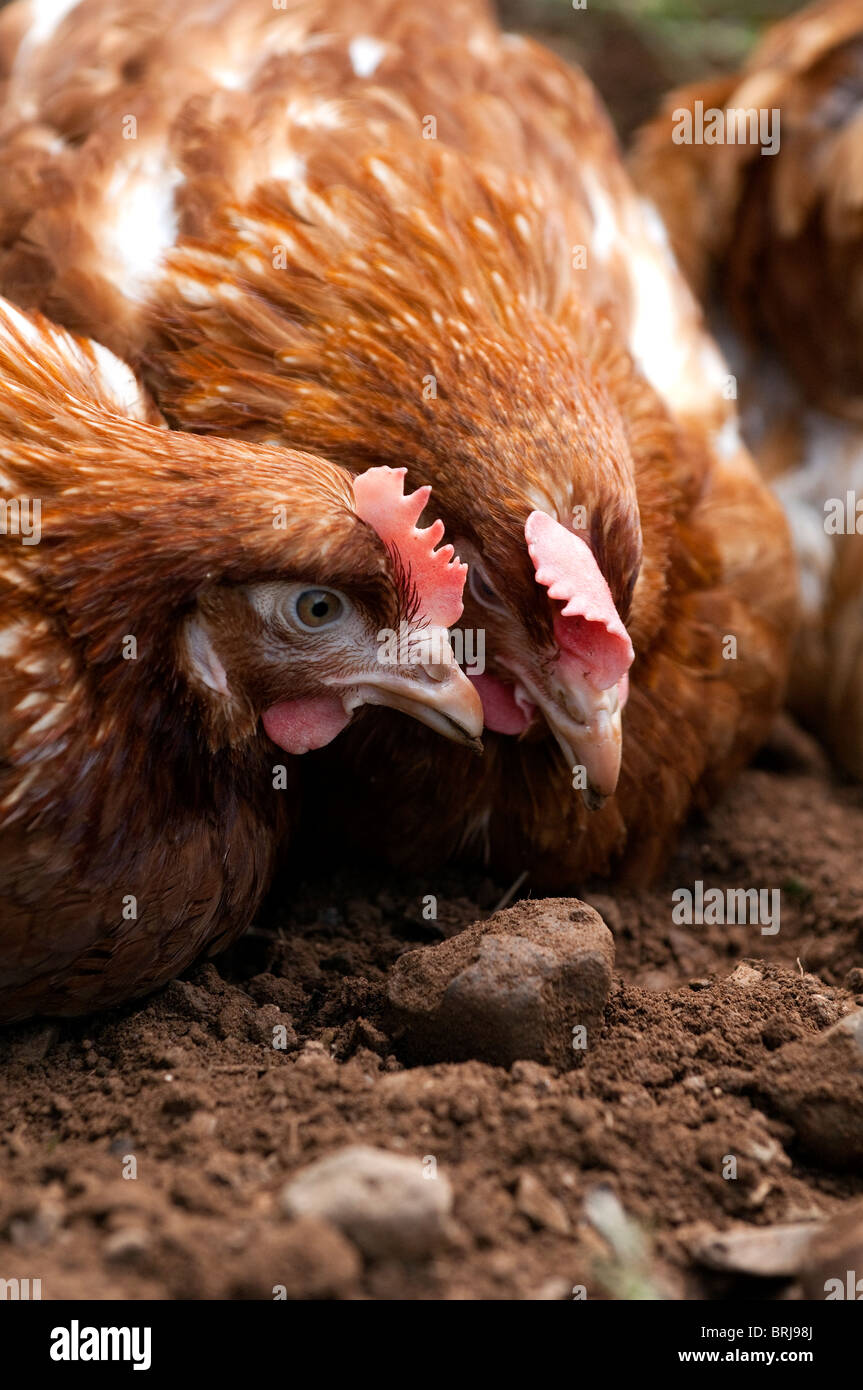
x,y
510,988
553,1290
542,1210
768,1252
382,1201
745,976
816,1084
127,1246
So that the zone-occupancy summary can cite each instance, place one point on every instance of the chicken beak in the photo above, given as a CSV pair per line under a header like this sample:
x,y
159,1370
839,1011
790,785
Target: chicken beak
x,y
587,727
436,693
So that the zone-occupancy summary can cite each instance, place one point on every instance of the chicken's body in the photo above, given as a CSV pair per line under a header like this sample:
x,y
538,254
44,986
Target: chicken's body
x,y
773,243
393,235
141,803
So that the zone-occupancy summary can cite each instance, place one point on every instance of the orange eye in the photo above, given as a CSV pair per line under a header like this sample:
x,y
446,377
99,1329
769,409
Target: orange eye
x,y
318,608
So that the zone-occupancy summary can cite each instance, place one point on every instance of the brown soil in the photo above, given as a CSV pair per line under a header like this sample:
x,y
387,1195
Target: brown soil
x,y
189,1084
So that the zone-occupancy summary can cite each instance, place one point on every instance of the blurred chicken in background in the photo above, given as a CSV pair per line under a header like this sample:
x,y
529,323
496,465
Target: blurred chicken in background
x,y
774,244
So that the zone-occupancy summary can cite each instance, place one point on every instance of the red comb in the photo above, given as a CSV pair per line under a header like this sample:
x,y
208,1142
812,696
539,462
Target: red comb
x,y
437,577
589,626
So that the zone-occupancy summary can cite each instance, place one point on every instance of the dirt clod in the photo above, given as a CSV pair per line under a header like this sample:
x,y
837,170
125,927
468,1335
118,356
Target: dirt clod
x,y
817,1085
529,983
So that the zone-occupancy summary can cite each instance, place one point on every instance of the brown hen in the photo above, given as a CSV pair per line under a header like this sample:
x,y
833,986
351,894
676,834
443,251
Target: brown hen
x,y
162,597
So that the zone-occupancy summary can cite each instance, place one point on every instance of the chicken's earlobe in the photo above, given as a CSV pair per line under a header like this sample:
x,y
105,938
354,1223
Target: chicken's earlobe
x,y
437,575
203,662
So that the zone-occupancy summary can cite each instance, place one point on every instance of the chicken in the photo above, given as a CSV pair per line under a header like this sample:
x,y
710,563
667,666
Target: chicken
x,y
391,235
163,596
774,243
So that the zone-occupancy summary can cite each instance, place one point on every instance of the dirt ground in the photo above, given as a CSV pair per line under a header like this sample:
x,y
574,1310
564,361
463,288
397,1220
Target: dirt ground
x,y
611,1177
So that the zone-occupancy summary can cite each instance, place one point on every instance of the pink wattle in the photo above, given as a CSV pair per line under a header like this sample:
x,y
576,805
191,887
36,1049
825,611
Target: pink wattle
x,y
500,709
298,726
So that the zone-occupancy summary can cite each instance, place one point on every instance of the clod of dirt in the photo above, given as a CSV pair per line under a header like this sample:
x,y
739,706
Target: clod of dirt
x,y
530,983
306,1259
817,1085
834,1268
383,1201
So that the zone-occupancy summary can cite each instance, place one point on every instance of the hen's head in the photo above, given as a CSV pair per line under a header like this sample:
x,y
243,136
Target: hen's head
x,y
216,582
554,547
354,612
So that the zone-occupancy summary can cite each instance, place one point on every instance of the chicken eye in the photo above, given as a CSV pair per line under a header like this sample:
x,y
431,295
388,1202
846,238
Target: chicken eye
x,y
480,587
318,607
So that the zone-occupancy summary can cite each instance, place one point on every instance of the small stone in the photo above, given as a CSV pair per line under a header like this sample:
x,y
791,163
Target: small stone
x,y
201,1125
816,1084
768,1252
527,984
554,1290
535,1202
127,1246
823,1009
382,1201
37,1226
578,1113
854,980
745,977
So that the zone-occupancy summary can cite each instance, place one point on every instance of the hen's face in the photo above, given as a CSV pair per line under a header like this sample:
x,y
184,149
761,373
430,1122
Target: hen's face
x,y
557,656
302,657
